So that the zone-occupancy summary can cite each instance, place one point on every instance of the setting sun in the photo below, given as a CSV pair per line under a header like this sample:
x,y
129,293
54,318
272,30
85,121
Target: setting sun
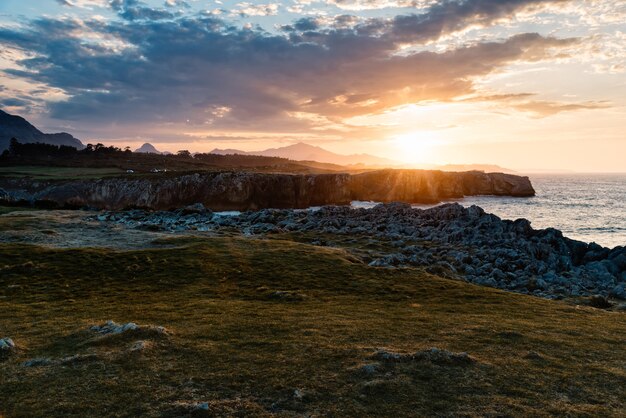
x,y
415,147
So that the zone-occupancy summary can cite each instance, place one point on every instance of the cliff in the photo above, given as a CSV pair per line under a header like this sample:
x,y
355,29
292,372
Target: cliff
x,y
251,191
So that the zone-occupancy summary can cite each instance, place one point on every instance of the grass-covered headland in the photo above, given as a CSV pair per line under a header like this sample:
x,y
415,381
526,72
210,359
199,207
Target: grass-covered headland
x,y
278,328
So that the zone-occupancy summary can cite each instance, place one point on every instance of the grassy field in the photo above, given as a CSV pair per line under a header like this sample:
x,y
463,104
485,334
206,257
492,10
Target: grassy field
x,y
9,209
281,328
58,173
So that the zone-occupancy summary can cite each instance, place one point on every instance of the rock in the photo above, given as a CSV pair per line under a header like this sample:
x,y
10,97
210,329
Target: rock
x,y
541,284
385,355
600,302
196,208
37,362
433,355
379,262
533,355
618,260
298,395
287,296
138,346
619,291
595,253
370,368
112,328
77,358
438,356
202,406
7,347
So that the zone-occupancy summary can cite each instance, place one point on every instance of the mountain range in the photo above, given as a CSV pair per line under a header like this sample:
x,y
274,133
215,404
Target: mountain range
x,y
12,126
306,152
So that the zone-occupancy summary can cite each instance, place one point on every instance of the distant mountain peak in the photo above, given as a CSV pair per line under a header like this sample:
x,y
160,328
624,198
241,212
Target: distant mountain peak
x,y
13,126
148,148
301,151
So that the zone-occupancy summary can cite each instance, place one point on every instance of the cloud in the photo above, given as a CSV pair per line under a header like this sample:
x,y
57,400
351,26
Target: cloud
x,y
181,69
84,3
548,108
356,5
176,3
249,9
537,108
137,10
448,17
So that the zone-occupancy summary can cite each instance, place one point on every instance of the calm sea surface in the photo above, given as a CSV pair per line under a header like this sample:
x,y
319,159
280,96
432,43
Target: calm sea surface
x,y
586,207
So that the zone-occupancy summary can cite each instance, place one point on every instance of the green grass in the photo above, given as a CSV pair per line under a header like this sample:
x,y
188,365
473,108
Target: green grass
x,y
245,352
58,173
8,209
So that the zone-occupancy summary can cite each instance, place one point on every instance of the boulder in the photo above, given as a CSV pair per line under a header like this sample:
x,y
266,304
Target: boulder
x,y
7,347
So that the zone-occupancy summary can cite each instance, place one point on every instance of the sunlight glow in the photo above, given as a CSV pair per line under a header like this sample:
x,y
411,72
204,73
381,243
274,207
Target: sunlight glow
x,y
415,147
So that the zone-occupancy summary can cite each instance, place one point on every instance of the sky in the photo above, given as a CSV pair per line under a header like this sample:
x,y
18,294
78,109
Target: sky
x,y
526,84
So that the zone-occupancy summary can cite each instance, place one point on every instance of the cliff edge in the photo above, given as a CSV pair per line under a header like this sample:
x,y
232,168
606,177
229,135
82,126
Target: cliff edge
x,y
252,191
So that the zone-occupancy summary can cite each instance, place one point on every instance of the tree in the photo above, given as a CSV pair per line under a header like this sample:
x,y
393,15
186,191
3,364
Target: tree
x,y
184,153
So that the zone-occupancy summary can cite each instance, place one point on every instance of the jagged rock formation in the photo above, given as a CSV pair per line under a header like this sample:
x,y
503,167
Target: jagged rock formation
x,y
252,191
12,126
448,240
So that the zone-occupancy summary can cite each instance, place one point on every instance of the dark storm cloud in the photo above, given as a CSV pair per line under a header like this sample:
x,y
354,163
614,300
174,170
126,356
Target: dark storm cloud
x,y
157,68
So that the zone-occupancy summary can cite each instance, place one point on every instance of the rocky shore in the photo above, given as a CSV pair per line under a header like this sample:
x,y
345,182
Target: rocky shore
x,y
253,191
448,240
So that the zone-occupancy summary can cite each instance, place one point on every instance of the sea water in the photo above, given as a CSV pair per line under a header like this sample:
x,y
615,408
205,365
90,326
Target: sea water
x,y
586,207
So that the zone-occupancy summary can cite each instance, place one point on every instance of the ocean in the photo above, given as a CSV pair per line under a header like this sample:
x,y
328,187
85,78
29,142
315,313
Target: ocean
x,y
586,207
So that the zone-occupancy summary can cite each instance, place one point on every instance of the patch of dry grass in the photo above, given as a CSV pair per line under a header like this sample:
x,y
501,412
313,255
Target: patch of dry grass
x,y
238,349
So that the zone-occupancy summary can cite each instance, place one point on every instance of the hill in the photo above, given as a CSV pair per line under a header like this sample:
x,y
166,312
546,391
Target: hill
x,y
12,126
306,152
148,149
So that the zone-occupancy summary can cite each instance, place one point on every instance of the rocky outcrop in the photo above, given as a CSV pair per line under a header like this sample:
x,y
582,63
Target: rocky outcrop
x,y
252,191
447,240
432,186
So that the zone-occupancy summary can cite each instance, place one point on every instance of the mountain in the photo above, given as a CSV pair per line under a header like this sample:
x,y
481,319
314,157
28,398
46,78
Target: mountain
x,y
306,152
148,149
12,126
